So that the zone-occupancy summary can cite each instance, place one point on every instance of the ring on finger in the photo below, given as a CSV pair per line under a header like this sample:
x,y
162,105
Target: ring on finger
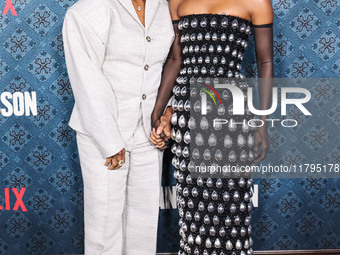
x,y
120,162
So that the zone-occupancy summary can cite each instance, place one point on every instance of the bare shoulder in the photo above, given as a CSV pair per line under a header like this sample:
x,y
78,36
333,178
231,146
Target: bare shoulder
x,y
261,11
173,6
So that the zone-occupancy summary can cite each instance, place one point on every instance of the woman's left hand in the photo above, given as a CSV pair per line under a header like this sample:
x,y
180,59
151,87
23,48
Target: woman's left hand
x,y
262,141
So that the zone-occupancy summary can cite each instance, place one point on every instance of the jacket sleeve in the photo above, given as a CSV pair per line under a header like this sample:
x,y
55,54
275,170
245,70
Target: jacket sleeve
x,y
94,96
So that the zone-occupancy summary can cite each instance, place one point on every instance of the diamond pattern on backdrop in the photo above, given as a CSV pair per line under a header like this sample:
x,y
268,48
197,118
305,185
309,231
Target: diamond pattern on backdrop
x,y
40,152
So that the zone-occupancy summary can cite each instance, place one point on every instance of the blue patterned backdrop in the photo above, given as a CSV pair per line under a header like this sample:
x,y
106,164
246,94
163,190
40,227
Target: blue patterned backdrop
x,y
39,152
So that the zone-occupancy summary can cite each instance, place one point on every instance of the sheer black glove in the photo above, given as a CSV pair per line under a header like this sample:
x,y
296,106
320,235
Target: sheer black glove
x,y
263,36
171,70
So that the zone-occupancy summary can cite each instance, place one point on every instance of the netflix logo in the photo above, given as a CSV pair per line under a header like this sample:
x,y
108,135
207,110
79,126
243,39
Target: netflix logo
x,y
9,7
13,200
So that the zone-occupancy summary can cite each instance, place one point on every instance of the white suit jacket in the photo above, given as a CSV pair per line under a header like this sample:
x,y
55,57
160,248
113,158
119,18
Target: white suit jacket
x,y
114,66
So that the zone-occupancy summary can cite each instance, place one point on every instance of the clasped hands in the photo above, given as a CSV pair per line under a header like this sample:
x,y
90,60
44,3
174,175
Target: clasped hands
x,y
160,133
261,145
160,137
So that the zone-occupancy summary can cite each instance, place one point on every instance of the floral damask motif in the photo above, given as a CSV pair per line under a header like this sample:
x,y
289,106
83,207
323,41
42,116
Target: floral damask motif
x,y
57,44
267,185
280,48
62,220
265,227
288,205
328,241
293,157
40,202
64,133
322,92
305,23
285,242
20,5
18,43
282,7
330,202
327,44
63,179
317,137
42,19
78,198
320,137
282,4
62,88
40,158
313,184
16,137
18,181
17,225
43,66
39,243
331,3
301,67
327,6
308,223
18,84
45,113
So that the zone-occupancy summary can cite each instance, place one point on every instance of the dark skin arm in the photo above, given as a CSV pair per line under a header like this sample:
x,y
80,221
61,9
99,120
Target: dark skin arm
x,y
262,13
161,124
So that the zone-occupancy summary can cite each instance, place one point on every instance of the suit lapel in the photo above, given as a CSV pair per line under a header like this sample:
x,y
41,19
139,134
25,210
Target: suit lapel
x,y
129,7
150,11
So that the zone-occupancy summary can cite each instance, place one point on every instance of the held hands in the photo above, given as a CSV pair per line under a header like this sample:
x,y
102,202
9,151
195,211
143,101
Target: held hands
x,y
262,141
116,161
261,136
160,133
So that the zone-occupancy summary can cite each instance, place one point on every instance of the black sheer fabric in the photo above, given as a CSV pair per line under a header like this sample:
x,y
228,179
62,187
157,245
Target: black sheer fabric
x,y
263,37
214,213
170,72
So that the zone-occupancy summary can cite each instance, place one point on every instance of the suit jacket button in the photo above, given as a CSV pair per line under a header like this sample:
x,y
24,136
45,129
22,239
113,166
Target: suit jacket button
x,y
146,67
143,96
148,38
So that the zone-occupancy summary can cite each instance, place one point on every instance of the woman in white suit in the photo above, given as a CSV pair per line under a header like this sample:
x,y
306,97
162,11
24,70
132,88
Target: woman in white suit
x,y
115,51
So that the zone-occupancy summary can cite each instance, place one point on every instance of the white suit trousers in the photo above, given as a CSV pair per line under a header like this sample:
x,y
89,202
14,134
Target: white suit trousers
x,y
121,206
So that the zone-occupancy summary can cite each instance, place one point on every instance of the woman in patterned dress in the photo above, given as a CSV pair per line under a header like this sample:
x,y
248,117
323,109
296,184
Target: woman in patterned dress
x,y
211,37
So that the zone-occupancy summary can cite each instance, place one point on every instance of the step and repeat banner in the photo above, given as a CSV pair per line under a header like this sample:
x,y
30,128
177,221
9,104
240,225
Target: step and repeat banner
x,y
41,193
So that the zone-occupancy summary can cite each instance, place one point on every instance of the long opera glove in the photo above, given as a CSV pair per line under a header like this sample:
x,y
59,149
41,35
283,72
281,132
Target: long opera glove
x,y
263,37
171,70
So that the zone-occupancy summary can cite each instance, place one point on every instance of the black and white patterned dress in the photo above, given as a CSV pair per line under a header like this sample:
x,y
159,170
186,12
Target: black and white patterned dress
x,y
214,212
